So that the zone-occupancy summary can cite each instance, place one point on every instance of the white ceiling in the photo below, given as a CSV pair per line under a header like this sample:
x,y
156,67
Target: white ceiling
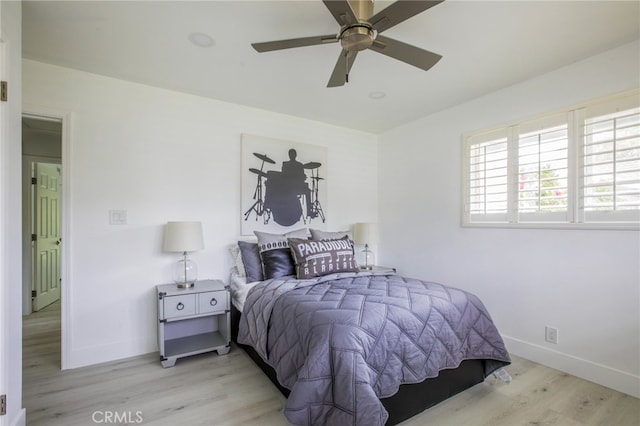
x,y
486,45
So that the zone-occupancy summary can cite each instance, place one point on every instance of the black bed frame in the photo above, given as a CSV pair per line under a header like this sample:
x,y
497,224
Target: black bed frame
x,y
410,399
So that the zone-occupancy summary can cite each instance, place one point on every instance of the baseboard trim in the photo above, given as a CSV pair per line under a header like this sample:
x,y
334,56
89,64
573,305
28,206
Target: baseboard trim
x,y
21,418
588,370
109,352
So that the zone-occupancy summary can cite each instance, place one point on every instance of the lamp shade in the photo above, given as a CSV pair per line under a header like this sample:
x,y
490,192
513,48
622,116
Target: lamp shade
x,y
365,233
183,236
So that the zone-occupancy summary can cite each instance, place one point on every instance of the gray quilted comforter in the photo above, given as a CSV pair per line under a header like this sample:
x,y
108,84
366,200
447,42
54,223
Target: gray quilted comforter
x,y
343,341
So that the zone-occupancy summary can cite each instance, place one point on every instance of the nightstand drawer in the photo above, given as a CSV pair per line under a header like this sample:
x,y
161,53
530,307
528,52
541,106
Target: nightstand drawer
x,y
179,306
212,301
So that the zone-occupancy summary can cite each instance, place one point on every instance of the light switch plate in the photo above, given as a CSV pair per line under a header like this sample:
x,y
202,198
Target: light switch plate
x,y
117,217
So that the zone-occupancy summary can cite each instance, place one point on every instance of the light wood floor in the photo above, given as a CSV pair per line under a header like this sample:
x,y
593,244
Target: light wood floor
x,y
230,390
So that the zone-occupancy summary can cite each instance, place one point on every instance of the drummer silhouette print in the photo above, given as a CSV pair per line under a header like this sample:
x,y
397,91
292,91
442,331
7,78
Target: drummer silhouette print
x,y
289,195
293,172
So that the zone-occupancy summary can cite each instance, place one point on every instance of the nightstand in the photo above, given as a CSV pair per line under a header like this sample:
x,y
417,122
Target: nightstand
x,y
193,320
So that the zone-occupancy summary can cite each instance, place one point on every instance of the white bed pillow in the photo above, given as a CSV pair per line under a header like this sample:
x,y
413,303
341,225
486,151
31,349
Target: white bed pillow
x,y
236,256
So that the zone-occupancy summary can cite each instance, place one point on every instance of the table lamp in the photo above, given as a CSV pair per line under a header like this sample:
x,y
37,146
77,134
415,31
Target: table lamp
x,y
365,234
184,237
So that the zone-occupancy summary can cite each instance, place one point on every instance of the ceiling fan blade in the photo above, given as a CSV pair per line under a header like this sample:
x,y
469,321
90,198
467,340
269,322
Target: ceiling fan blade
x,y
341,11
405,52
398,12
342,68
294,42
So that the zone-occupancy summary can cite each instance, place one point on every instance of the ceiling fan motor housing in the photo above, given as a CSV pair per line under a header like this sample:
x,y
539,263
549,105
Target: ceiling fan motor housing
x,y
357,37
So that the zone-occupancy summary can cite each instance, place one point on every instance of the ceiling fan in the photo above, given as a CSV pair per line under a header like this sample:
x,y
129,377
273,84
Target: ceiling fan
x,y
360,30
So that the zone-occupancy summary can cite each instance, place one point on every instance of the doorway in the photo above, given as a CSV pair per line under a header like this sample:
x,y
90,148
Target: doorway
x,y
41,216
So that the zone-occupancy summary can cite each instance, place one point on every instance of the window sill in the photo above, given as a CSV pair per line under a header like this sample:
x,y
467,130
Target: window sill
x,y
609,226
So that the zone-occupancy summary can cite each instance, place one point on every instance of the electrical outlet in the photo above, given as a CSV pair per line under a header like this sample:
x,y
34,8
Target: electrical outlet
x,y
551,334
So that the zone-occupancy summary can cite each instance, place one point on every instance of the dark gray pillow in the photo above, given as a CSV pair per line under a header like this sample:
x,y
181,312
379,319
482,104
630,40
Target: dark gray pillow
x,y
251,260
275,254
319,258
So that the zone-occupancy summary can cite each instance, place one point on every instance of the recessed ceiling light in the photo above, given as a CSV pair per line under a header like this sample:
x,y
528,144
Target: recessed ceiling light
x,y
377,95
201,39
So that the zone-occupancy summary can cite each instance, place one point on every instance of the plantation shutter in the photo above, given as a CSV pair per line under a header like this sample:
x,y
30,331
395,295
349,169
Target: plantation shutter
x,y
574,168
543,169
487,192
611,161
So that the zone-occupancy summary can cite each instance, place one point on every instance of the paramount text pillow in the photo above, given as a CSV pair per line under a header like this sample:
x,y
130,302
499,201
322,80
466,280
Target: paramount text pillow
x,y
319,258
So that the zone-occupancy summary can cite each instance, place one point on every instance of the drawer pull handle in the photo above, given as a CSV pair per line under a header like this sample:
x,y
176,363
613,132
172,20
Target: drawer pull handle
x,y
213,302
180,306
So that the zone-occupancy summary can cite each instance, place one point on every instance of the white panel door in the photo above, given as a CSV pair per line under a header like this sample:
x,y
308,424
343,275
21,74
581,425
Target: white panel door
x,y
46,228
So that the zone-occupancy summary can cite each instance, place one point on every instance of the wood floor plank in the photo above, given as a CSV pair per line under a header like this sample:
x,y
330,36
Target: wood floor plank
x,y
208,389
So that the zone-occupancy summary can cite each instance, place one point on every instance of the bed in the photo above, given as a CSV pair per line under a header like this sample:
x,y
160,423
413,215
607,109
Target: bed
x,y
347,346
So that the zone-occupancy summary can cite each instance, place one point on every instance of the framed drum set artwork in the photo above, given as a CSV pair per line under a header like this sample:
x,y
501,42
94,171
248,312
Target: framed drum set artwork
x,y
283,185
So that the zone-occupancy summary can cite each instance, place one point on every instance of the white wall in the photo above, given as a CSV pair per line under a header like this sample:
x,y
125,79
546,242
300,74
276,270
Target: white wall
x,y
163,156
585,283
10,216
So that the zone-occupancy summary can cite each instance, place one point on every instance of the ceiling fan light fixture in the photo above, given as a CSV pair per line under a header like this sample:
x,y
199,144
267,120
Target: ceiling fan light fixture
x,y
357,37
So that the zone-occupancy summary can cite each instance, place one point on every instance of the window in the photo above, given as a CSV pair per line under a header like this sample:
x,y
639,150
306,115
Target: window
x,y
577,168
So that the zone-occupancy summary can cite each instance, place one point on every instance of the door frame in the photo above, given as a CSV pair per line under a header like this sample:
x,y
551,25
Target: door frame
x,y
65,117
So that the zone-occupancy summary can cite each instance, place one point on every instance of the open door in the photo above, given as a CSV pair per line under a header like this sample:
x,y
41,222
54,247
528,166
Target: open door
x,y
45,236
